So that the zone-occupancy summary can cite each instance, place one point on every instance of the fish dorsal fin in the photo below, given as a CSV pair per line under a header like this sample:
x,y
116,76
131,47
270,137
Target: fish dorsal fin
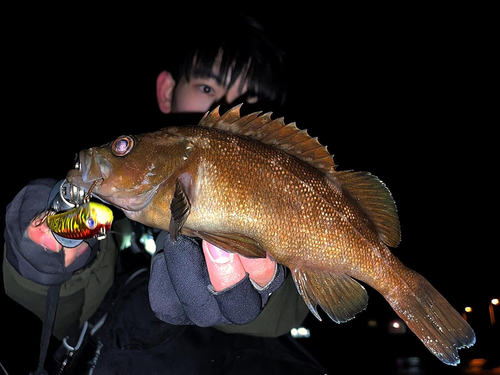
x,y
376,200
285,137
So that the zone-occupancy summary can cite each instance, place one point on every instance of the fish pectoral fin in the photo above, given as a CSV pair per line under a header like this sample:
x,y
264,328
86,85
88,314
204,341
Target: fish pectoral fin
x,y
234,243
339,295
180,207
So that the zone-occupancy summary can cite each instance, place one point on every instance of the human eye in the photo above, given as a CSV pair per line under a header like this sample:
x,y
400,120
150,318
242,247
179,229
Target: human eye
x,y
206,89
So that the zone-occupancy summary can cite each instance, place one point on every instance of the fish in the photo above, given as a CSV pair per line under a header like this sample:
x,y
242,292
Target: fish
x,y
86,221
255,186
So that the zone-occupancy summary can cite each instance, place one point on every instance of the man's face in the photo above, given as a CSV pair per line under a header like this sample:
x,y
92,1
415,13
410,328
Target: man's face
x,y
202,93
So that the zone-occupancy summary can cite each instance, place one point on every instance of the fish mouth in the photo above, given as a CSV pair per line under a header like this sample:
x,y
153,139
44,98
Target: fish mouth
x,y
94,173
87,169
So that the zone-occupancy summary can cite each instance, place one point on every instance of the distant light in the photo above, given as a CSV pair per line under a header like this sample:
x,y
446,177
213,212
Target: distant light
x,y
468,309
126,242
408,365
414,361
372,323
397,327
493,302
149,243
300,332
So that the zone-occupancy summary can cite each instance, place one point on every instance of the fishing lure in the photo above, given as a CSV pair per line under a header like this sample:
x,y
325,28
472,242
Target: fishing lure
x,y
89,220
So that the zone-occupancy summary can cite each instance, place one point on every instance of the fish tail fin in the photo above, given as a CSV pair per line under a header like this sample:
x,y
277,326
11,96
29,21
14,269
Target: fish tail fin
x,y
429,315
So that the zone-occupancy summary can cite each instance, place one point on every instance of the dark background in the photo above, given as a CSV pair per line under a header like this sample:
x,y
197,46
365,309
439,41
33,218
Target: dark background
x,y
408,94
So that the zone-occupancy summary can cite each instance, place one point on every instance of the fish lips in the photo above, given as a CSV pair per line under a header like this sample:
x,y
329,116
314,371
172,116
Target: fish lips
x,y
94,166
90,167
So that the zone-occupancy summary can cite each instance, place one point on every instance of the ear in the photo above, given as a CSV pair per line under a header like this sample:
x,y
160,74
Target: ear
x,y
164,88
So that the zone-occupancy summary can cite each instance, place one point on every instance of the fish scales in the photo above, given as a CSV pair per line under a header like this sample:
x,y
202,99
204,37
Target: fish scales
x,y
254,185
278,180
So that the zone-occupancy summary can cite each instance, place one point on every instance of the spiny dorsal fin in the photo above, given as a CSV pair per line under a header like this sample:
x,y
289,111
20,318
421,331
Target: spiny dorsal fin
x,y
376,200
285,137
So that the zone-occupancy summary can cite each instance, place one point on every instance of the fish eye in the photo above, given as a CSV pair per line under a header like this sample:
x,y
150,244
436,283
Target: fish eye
x,y
122,145
90,223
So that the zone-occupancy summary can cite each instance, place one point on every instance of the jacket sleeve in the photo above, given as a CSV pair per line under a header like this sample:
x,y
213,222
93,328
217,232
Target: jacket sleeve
x,y
29,269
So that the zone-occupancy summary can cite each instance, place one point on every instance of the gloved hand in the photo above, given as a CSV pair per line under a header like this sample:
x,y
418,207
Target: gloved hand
x,y
208,288
33,250
42,235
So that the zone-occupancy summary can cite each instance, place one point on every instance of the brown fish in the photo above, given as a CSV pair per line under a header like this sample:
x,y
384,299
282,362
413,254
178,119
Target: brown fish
x,y
250,185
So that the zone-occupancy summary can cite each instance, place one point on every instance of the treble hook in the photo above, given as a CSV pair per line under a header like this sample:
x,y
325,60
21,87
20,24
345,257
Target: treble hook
x,y
37,220
41,218
86,199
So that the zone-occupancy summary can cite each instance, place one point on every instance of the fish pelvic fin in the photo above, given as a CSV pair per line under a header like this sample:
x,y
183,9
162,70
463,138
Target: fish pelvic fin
x,y
234,243
339,295
431,318
275,133
376,200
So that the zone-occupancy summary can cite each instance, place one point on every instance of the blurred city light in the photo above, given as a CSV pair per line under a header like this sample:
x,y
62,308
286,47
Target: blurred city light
x,y
493,302
468,309
397,327
149,243
300,332
409,365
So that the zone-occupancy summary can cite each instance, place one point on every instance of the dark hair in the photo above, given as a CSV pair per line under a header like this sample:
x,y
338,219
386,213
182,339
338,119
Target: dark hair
x,y
246,48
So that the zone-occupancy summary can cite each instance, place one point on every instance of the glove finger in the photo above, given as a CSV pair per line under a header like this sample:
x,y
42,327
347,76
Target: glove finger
x,y
266,291
189,277
241,303
162,297
261,270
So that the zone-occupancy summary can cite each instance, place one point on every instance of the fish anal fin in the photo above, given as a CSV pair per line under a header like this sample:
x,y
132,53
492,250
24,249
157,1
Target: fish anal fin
x,y
375,198
275,133
180,207
234,243
339,295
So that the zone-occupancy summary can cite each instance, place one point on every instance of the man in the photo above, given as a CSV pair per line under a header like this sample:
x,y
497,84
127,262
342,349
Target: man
x,y
225,65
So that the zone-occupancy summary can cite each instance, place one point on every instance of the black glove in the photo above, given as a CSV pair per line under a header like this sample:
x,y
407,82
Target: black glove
x,y
180,291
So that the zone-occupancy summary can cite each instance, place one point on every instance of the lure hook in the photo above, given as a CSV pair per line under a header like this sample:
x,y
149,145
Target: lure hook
x,y
86,199
102,234
40,219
